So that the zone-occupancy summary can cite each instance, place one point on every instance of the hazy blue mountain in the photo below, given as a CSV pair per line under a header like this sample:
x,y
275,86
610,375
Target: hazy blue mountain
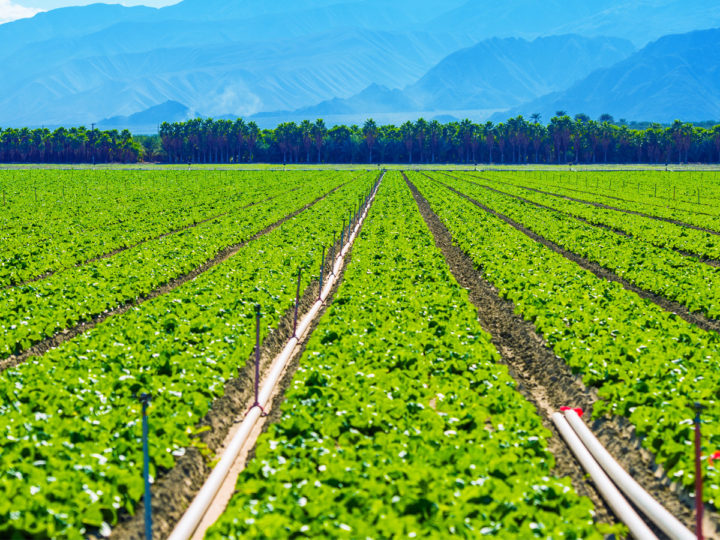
x,y
499,73
493,74
373,14
147,121
217,57
238,57
67,23
375,98
236,78
639,21
676,77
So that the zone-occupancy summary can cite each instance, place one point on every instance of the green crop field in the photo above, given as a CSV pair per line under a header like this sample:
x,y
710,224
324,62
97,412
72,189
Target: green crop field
x,y
474,303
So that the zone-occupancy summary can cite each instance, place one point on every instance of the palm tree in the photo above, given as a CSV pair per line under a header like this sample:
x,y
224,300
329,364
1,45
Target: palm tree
x,y
715,133
319,131
252,134
435,131
407,132
561,128
466,130
370,132
421,129
306,131
489,131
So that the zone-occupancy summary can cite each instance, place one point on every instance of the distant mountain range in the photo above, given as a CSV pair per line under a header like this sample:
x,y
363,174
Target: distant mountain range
x,y
676,77
149,120
494,74
341,58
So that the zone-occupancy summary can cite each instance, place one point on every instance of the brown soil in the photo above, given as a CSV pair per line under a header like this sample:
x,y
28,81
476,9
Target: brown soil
x,y
698,319
175,489
600,205
700,258
61,337
547,382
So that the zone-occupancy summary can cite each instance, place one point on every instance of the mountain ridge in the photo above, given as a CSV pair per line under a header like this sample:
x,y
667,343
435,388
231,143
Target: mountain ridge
x,y
242,57
668,79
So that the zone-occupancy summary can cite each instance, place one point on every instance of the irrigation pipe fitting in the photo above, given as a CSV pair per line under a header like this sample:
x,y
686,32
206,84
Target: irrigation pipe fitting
x,y
664,520
607,489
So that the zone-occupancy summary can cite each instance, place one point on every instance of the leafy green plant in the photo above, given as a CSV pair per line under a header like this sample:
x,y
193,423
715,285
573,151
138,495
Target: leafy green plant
x,y
400,421
649,365
69,420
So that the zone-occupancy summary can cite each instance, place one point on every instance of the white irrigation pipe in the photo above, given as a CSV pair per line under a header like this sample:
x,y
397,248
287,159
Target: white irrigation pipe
x,y
194,514
665,521
604,485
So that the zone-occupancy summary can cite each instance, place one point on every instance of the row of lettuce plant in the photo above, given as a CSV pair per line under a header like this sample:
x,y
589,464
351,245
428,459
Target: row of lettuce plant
x,y
625,195
69,420
34,244
400,421
648,365
37,310
661,234
661,271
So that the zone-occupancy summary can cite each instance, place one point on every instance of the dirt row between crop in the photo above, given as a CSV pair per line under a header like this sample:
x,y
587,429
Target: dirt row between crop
x,y
175,490
61,337
607,207
119,250
546,381
710,262
698,319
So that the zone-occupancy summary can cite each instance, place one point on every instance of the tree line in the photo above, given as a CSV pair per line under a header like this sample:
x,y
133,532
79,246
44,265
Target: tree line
x,y
517,141
74,145
562,140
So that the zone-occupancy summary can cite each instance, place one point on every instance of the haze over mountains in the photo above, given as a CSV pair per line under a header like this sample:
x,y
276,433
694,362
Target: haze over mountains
x,y
677,76
348,59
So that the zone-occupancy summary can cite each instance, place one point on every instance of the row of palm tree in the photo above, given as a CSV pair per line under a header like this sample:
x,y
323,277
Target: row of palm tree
x,y
516,141
75,145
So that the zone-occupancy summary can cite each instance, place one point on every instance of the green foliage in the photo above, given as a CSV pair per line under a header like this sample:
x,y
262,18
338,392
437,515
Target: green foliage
x,y
655,269
649,365
400,422
38,310
658,233
69,421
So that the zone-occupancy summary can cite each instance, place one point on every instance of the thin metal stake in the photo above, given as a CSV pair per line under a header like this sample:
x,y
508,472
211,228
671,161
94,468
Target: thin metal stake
x,y
322,271
698,476
257,355
297,303
145,400
332,257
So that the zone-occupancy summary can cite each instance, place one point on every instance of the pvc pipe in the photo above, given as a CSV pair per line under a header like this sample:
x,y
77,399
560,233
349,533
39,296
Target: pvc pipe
x,y
194,514
665,521
604,485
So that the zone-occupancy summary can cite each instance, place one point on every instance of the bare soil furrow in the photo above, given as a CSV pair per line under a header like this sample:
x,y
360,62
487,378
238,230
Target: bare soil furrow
x,y
546,381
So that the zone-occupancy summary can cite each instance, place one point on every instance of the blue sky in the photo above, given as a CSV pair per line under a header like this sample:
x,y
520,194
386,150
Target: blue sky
x,y
11,10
